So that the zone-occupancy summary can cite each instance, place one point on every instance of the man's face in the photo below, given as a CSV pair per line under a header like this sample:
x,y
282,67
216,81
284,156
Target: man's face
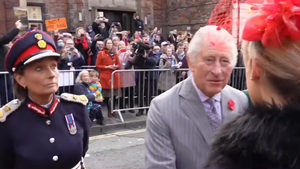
x,y
164,48
169,52
100,44
180,49
211,70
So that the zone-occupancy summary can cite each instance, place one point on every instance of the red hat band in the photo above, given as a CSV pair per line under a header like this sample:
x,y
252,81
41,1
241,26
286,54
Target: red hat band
x,y
30,52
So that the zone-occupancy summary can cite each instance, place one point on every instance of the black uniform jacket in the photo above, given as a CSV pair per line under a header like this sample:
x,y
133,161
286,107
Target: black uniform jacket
x,y
36,138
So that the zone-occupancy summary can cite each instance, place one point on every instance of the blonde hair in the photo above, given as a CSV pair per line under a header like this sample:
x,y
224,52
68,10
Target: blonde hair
x,y
217,35
79,77
281,65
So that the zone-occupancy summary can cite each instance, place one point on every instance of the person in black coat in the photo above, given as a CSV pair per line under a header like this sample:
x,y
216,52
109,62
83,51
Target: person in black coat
x,y
6,80
138,23
39,129
95,48
82,88
71,58
145,58
267,136
12,34
101,26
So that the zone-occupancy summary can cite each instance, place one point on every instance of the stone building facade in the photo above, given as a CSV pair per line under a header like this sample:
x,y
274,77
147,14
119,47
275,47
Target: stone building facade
x,y
165,14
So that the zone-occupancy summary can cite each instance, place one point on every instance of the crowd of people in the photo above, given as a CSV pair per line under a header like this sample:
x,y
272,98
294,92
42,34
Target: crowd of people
x,y
105,47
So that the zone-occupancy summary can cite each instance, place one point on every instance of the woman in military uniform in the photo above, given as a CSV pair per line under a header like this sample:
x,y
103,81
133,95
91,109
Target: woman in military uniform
x,y
40,130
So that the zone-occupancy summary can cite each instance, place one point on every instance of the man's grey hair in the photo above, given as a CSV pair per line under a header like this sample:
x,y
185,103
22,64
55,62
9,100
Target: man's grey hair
x,y
212,36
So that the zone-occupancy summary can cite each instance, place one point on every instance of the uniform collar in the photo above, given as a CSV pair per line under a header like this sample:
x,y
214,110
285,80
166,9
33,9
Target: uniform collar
x,y
45,112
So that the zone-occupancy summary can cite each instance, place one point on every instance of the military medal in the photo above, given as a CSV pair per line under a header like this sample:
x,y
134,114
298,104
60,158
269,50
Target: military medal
x,y
71,124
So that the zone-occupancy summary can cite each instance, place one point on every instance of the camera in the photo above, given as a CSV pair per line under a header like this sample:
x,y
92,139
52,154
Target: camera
x,y
116,25
139,48
98,37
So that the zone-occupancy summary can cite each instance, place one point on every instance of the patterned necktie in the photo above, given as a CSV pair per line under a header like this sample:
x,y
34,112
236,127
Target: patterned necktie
x,y
214,118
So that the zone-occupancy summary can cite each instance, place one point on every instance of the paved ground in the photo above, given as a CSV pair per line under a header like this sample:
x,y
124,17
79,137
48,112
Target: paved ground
x,y
117,150
112,124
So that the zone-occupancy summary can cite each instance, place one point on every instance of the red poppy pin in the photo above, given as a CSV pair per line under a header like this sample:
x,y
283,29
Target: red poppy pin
x,y
231,104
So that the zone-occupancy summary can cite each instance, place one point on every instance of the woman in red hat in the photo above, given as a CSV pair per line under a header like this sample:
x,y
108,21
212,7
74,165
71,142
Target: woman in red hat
x,y
39,129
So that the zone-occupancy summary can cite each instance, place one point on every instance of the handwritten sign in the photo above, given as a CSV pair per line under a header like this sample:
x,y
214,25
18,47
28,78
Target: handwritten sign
x,y
56,24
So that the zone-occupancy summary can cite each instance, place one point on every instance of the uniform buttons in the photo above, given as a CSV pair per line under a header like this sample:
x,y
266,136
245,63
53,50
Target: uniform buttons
x,y
55,158
48,122
52,140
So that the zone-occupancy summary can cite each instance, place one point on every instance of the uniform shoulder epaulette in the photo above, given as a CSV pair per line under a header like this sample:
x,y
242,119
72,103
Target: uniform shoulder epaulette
x,y
9,108
75,98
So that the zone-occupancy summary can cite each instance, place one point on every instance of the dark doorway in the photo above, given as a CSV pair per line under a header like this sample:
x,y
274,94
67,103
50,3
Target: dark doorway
x,y
125,18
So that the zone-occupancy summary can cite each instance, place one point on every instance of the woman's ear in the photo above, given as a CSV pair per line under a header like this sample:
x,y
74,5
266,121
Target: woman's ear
x,y
20,80
256,70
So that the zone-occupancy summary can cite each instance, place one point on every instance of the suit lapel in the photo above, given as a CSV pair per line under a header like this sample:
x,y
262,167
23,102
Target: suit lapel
x,y
228,114
193,107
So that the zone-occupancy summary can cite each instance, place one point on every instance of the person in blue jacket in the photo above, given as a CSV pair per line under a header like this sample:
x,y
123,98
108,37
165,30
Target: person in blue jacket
x,y
39,129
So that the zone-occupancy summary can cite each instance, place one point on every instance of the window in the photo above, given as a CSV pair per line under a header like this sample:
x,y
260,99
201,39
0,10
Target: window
x,y
34,16
34,13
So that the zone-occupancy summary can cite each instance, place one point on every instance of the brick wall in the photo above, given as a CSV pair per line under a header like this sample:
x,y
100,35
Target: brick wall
x,y
180,14
166,14
8,19
55,9
177,14
183,13
2,19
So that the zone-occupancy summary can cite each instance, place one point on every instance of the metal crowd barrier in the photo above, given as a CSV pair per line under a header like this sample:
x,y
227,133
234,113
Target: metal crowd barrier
x,y
6,88
66,83
238,78
130,98
150,83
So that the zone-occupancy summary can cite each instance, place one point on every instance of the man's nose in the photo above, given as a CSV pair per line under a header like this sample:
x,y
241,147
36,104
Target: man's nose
x,y
217,69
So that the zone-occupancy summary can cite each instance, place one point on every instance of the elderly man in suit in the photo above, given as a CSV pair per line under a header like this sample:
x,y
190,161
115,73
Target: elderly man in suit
x,y
182,121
